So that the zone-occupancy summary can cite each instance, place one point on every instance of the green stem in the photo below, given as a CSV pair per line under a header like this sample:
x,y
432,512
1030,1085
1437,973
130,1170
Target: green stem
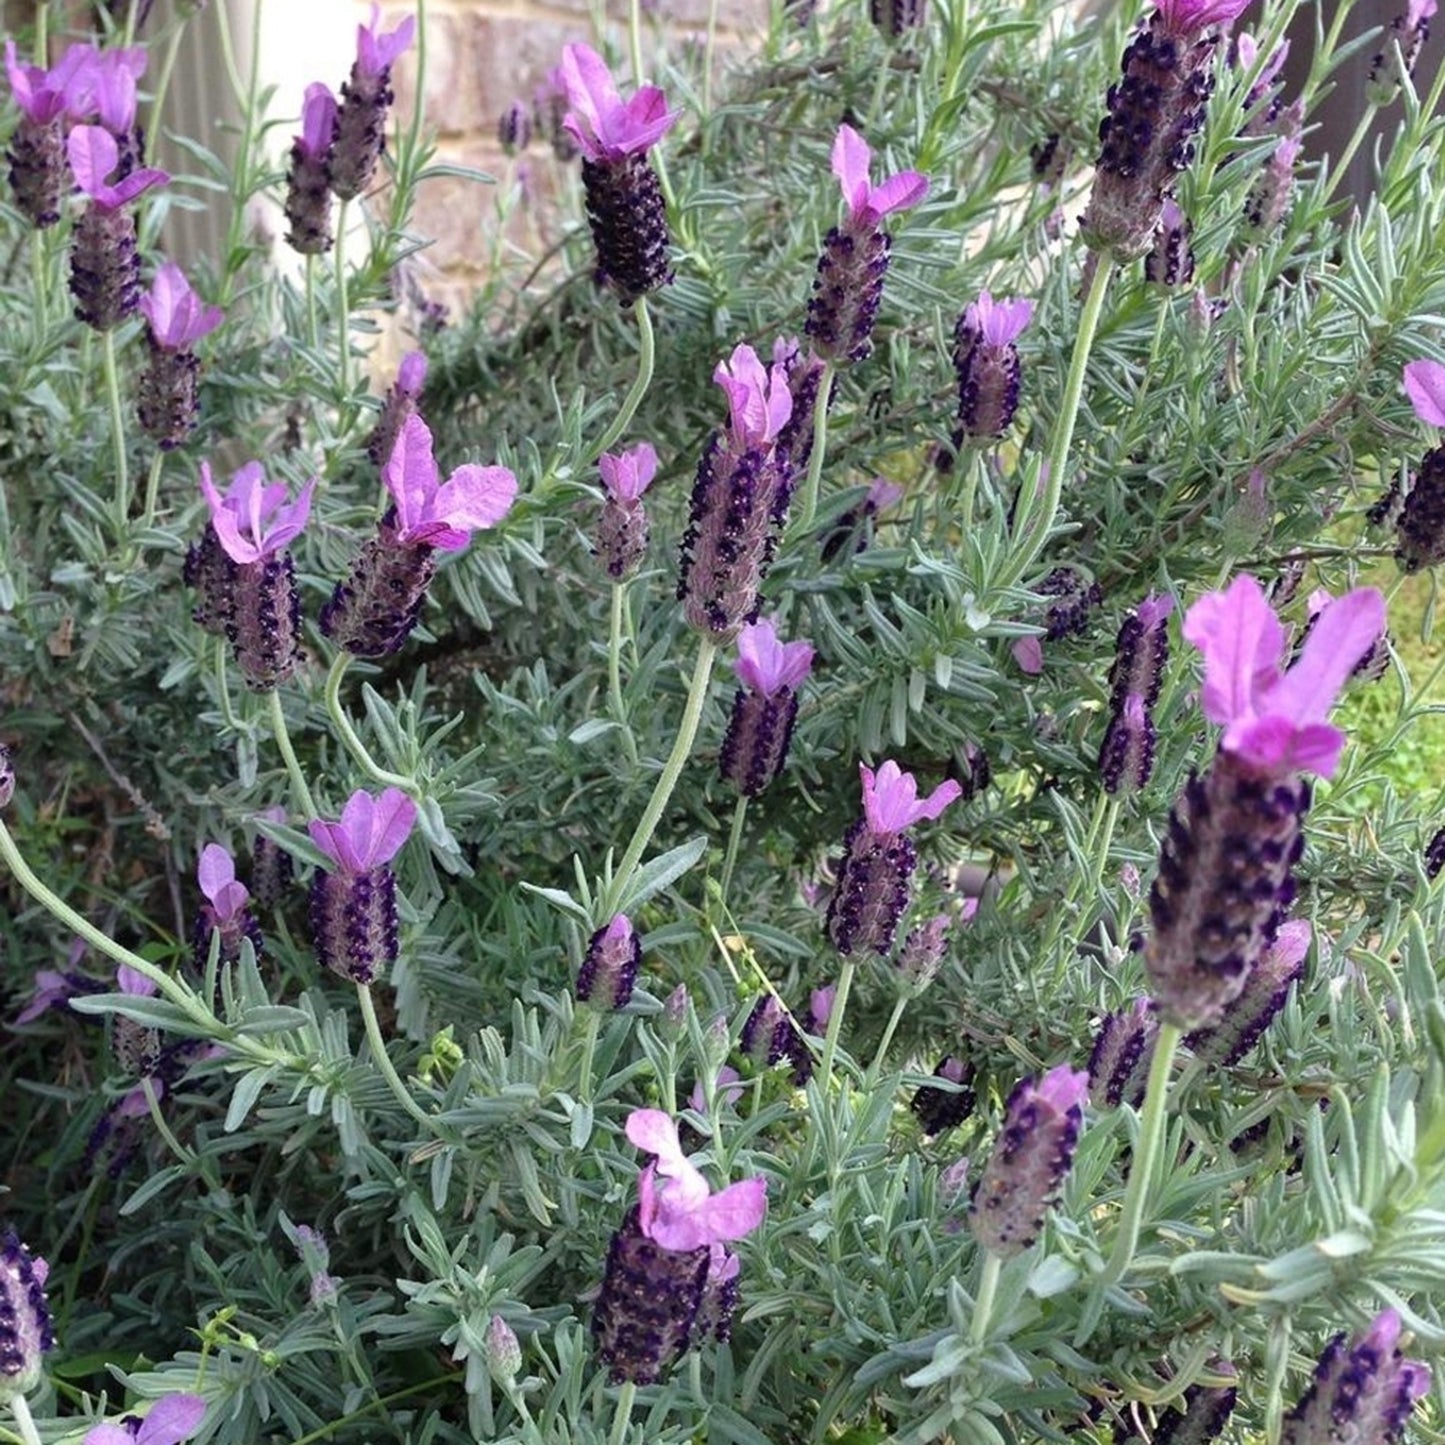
x,y
614,668
343,308
384,1063
40,279
313,326
349,737
646,359
891,1028
1146,1153
1025,522
634,41
623,1417
163,80
117,427
153,1104
591,1023
1339,169
24,1421
820,441
735,838
153,489
56,906
372,1406
835,1023
223,688
707,58
671,771
983,1301
130,18
42,34
288,754
973,465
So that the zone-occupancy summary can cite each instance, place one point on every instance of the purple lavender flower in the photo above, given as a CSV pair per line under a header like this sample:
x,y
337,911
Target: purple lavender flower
x,y
1153,114
1226,865
739,500
924,947
622,530
804,373
1170,259
1126,756
104,262
1263,103
609,967
360,131
848,286
245,579
1141,652
399,403
938,1110
770,1037
1123,1051
1030,1159
879,858
764,708
373,611
39,168
1071,598
986,360
1434,859
272,869
172,1419
353,906
224,911
514,128
104,89
896,18
669,1283
135,1045
625,207
1268,201
1406,38
25,1333
1265,991
308,182
166,392
1420,530
852,528
1203,1412
1363,1390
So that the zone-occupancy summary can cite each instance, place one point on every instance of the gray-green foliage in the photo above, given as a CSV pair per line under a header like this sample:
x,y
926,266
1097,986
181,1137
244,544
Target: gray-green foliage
x,y
1302,1190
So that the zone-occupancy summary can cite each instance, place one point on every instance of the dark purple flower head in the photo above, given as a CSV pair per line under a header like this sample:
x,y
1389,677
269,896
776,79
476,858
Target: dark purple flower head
x,y
254,521
1404,41
369,833
93,156
607,129
1265,990
938,1110
172,1419
178,318
1363,1390
867,203
1030,1159
378,51
442,514
399,403
609,967
25,1333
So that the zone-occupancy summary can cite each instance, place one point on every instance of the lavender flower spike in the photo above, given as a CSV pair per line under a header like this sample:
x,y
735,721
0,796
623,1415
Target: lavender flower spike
x,y
669,1281
1403,43
625,207
609,967
1421,526
172,1419
244,575
1225,868
360,133
104,262
1153,114
374,610
353,906
1363,1390
878,860
739,500
1170,260
1123,1051
1264,995
1032,1155
623,530
166,393
308,182
25,1333
848,286
765,708
399,404
39,169
225,911
986,359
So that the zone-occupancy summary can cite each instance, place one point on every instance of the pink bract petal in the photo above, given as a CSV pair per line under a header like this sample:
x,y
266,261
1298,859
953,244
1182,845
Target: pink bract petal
x,y
627,475
1292,941
1242,642
897,193
759,401
177,316
411,474
1028,652
376,51
93,156
411,374
318,120
851,159
891,802
654,1131
1343,633
472,498
172,1418
769,665
134,982
1063,1088
377,827
215,870
1425,386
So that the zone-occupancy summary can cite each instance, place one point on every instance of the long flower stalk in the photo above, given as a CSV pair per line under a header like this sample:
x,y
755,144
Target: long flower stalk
x,y
117,428
384,1063
809,506
646,360
349,736
288,753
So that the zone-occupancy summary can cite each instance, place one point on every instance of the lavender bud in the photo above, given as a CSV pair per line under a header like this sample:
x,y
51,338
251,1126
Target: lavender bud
x,y
273,870
922,951
969,768
1203,1413
211,572
609,967
847,292
104,267
755,746
514,128
719,1299
769,1036
166,395
360,134
1397,60
399,403
1268,201
1363,1390
1420,532
39,169
628,218
1030,1159
25,1333
1435,854
938,1110
1170,260
264,622
795,439
1141,653
372,613
1263,996
1224,881
7,776
308,201
354,922
895,18
1123,1051
649,1301
1049,159
673,1023
1126,756
623,532
1074,598
232,931
986,362
503,1351
872,890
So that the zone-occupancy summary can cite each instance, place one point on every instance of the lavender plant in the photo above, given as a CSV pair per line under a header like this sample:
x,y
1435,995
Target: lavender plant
x,y
340,998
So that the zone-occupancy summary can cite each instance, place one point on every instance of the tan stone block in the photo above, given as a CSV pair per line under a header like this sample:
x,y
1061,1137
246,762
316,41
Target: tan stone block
x,y
452,104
